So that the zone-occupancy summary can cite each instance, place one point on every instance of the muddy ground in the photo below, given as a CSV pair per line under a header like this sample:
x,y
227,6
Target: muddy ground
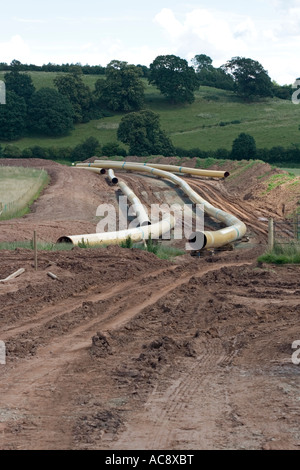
x,y
127,351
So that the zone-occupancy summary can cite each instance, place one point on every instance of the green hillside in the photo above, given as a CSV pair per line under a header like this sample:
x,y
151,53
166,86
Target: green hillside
x,y
213,121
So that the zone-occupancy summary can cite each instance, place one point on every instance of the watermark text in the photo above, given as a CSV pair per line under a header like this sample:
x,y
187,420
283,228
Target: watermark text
x,y
2,92
189,221
2,353
295,96
296,354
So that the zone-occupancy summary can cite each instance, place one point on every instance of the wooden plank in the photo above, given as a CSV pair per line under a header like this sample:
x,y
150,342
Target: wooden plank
x,y
14,275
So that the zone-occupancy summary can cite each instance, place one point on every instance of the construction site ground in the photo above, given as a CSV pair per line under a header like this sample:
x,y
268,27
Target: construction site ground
x,y
125,351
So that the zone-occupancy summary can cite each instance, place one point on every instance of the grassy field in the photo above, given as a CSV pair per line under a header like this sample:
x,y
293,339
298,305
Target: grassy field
x,y
19,187
46,79
14,182
213,121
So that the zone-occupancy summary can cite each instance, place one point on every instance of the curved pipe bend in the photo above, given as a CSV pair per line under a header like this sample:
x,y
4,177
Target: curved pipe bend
x,y
138,207
111,176
235,229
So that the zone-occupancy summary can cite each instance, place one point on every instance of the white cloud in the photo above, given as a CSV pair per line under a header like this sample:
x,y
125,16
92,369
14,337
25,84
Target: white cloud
x,y
285,4
15,48
186,30
98,53
209,28
205,31
166,19
98,19
223,35
29,20
246,30
270,35
290,25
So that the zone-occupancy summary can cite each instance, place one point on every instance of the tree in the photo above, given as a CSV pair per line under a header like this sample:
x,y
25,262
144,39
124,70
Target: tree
x,y
20,83
12,151
38,152
142,132
85,150
144,69
251,79
202,61
244,148
12,117
112,149
174,78
211,76
15,65
50,113
79,94
283,92
123,89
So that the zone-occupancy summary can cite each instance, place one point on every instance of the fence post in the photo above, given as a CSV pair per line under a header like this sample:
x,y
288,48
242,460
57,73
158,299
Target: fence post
x,y
35,250
271,234
296,227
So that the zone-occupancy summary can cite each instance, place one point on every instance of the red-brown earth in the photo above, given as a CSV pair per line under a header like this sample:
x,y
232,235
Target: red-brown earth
x,y
127,351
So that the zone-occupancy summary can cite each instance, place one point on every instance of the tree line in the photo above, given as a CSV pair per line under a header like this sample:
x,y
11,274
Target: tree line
x,y
243,148
50,67
54,112
207,74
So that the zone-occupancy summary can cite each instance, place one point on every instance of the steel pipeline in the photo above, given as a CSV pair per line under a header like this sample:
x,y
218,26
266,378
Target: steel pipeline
x,y
111,176
181,169
138,207
235,229
99,171
137,234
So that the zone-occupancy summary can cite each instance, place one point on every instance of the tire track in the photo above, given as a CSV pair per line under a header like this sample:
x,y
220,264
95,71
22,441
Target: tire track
x,y
27,381
213,196
71,303
169,418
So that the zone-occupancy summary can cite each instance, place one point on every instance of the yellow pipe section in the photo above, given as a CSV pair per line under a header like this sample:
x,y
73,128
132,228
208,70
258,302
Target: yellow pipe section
x,y
181,169
112,178
235,229
138,207
99,171
137,234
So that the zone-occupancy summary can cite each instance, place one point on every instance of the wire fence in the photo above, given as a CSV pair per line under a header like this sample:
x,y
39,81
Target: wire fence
x,y
12,208
288,231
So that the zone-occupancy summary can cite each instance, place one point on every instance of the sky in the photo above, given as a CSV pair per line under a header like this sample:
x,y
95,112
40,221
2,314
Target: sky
x,y
137,31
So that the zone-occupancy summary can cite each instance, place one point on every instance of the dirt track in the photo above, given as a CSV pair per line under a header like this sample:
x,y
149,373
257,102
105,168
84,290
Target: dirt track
x,y
127,351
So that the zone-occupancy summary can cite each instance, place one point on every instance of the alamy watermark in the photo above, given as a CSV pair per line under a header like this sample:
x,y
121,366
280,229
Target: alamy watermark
x,y
296,354
2,353
296,93
2,92
189,220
